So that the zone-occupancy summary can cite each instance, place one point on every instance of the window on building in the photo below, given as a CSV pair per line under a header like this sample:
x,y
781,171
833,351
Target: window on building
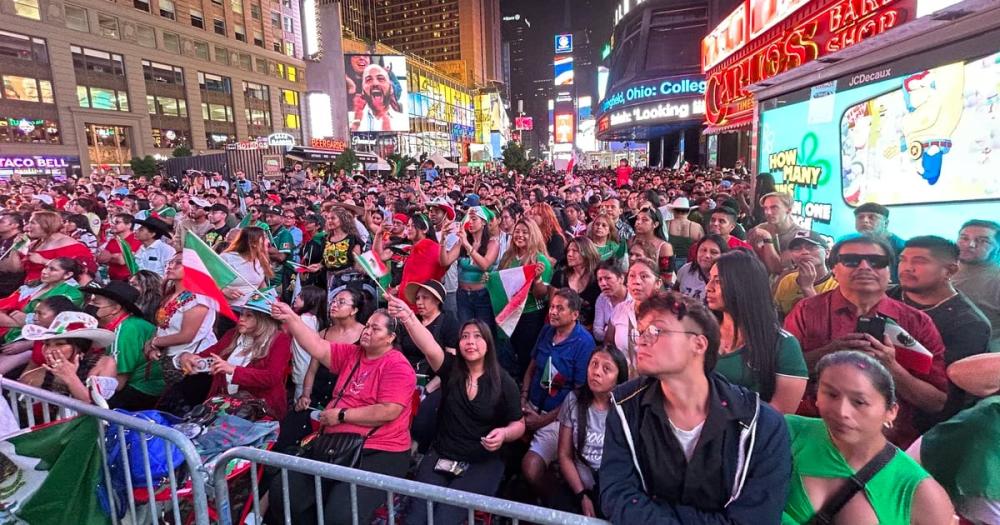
x,y
258,39
216,112
27,89
292,73
222,55
287,3
293,121
201,50
240,32
275,20
290,48
276,46
216,83
220,26
258,117
217,140
255,11
22,47
167,9
256,91
76,18
289,97
162,73
107,26
197,19
29,130
166,106
142,5
236,6
145,36
262,66
27,9
246,62
289,24
172,42
95,61
102,98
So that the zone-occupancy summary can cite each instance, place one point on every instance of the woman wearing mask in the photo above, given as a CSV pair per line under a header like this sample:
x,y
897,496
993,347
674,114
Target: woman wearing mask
x,y
580,274
604,235
527,248
693,276
857,401
378,405
643,281
476,253
58,277
581,427
247,254
649,236
184,323
754,352
480,411
611,280
252,358
47,242
545,217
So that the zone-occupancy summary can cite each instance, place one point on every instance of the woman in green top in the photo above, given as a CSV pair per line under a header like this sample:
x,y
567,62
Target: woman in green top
x,y
58,277
857,400
527,247
754,351
604,235
476,252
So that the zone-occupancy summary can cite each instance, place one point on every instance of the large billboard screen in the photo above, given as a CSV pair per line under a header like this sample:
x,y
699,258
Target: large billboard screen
x,y
563,67
924,141
564,128
377,93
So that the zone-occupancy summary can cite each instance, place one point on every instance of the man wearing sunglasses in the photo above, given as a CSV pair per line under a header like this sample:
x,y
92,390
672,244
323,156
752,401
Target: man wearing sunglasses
x,y
829,322
683,445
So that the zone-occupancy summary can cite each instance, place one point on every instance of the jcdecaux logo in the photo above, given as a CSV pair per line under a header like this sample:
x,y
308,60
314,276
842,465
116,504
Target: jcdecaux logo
x,y
654,91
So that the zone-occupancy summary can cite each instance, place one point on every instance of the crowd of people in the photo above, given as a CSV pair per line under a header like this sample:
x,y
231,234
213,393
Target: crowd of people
x,y
686,352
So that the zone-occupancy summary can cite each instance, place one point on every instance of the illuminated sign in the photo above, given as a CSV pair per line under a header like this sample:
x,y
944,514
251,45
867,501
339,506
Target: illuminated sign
x,y
563,67
564,128
605,51
328,144
281,139
564,43
657,113
726,39
524,123
33,162
837,26
647,92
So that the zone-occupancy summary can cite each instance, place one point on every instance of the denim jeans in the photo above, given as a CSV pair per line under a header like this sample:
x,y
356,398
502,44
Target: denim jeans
x,y
475,304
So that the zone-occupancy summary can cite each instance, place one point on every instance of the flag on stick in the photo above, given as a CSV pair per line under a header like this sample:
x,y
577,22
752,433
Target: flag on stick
x,y
509,291
909,352
206,273
127,255
375,267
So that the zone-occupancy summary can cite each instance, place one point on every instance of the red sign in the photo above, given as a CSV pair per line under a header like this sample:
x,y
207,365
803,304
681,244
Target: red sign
x,y
524,123
726,39
329,144
790,44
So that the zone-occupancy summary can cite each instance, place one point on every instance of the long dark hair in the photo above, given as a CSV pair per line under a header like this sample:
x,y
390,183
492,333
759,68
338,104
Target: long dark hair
x,y
585,396
491,366
747,294
314,302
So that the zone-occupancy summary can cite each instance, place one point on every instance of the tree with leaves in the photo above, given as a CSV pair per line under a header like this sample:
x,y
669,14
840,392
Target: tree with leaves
x,y
346,161
515,158
143,166
399,164
182,151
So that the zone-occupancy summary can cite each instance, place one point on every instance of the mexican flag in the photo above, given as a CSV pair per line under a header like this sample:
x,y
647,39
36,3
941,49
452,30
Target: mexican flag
x,y
127,255
376,268
50,475
509,291
206,273
552,380
910,353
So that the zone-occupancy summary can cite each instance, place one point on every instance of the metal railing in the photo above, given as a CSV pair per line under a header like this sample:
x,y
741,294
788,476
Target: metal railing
x,y
194,488
392,486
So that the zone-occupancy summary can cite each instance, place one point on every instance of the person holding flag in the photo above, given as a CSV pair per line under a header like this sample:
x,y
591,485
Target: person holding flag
x,y
476,253
119,252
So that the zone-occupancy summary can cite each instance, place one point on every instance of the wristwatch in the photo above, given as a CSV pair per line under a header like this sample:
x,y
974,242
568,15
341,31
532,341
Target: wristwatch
x,y
341,415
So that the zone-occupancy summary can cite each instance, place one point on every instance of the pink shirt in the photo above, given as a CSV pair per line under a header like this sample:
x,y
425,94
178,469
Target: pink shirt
x,y
387,379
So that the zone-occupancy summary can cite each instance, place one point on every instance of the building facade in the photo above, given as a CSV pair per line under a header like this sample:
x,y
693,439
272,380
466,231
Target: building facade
x,y
94,83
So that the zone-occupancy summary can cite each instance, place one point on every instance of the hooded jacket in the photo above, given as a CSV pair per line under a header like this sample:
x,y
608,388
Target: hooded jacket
x,y
739,471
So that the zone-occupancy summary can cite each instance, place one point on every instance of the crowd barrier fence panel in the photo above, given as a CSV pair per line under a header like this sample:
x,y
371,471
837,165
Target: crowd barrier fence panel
x,y
194,490
390,485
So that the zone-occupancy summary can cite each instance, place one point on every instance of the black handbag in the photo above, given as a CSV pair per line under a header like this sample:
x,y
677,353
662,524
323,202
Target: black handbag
x,y
338,448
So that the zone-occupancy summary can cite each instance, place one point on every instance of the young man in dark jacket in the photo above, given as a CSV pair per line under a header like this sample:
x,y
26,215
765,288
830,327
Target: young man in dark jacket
x,y
682,444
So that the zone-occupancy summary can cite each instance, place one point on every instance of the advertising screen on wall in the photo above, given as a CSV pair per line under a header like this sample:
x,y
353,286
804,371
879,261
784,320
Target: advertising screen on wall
x,y
563,69
564,128
921,135
377,93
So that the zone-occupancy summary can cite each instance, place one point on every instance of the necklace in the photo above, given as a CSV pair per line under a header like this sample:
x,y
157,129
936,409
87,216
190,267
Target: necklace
x,y
923,307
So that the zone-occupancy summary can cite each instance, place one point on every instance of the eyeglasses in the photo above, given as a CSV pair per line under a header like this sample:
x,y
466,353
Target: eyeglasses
x,y
340,302
652,333
853,260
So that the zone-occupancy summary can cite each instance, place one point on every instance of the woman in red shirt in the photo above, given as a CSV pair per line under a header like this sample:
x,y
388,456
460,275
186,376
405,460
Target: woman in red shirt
x,y
422,264
44,229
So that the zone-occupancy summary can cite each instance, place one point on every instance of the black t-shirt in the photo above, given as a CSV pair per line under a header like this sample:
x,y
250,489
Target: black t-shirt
x,y
462,423
444,328
589,295
556,247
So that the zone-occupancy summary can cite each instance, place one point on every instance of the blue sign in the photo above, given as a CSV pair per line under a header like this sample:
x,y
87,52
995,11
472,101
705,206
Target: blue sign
x,y
564,43
650,91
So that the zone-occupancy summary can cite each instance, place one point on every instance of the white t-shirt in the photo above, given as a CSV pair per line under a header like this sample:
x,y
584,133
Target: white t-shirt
x,y
240,356
301,358
603,310
203,338
690,283
620,319
155,256
687,438
251,271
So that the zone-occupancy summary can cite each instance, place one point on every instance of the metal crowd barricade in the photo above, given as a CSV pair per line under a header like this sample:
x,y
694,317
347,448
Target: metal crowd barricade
x,y
192,490
390,485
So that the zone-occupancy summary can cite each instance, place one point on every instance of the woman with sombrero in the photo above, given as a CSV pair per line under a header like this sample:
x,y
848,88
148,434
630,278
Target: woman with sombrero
x,y
427,298
69,362
252,358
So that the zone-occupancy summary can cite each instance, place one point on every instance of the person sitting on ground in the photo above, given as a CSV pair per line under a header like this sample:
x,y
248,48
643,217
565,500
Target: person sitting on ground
x,y
70,367
479,413
857,402
611,280
683,445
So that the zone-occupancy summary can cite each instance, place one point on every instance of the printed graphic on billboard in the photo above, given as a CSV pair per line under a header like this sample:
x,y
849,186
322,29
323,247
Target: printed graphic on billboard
x,y
377,93
564,43
524,123
563,71
564,128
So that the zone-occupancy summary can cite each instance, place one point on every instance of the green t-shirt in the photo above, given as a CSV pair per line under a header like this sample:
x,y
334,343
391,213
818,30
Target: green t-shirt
x,y
130,338
733,366
609,250
534,304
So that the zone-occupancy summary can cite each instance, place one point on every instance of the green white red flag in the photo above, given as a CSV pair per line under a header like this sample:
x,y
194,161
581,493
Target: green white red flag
x,y
509,291
205,273
373,265
910,353
127,254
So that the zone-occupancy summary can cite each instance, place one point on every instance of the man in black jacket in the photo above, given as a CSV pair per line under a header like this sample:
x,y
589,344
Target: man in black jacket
x,y
695,449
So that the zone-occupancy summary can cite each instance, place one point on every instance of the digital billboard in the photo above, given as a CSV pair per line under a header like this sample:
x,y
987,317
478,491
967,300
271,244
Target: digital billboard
x,y
563,69
919,135
564,128
377,93
524,123
564,43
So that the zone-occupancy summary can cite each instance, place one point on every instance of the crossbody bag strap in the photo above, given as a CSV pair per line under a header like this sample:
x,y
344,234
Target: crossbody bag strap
x,y
343,389
853,485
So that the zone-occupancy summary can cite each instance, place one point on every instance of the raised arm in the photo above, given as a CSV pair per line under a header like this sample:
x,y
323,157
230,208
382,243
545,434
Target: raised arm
x,y
308,339
421,336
